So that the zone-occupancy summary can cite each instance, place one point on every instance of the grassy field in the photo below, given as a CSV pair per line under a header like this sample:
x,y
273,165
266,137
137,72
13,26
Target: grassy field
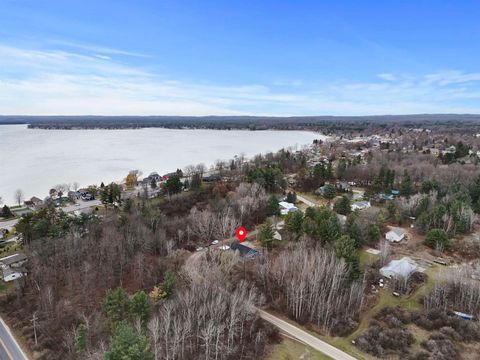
x,y
9,249
5,287
320,201
367,258
290,349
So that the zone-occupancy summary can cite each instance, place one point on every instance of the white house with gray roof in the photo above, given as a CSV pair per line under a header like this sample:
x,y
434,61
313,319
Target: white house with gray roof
x,y
395,235
360,205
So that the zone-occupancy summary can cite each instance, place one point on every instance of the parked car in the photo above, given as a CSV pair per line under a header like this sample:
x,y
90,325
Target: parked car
x,y
199,248
224,247
215,242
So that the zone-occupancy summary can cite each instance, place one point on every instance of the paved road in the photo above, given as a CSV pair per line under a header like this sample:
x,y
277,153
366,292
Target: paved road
x,y
9,224
305,337
9,348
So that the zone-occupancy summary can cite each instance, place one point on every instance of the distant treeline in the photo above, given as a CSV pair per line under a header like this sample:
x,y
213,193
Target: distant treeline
x,y
325,123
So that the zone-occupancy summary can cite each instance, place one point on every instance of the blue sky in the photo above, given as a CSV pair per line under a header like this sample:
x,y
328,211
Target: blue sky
x,y
244,57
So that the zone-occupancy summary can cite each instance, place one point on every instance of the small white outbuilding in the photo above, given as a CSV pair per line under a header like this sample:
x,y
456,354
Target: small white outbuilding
x,y
395,235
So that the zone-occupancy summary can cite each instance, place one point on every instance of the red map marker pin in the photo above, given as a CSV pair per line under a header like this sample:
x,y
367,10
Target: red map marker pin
x,y
241,234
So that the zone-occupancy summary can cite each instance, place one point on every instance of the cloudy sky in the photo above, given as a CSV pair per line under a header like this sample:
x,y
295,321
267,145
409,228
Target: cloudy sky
x,y
244,57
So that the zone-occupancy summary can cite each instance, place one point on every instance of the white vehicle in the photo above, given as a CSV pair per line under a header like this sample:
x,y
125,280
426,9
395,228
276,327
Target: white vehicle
x,y
224,247
214,242
199,248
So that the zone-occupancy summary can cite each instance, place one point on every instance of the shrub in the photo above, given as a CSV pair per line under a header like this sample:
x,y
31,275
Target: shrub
x,y
342,205
379,340
437,239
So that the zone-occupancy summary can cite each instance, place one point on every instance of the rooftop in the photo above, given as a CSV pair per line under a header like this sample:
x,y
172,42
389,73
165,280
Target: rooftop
x,y
398,231
243,250
12,259
403,267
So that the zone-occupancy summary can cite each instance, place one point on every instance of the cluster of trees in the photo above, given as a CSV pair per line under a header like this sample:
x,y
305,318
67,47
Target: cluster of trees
x,y
6,212
437,239
312,285
271,178
460,124
50,223
450,211
380,171
67,266
222,217
384,180
329,191
309,179
319,224
110,194
461,150
455,291
266,234
204,321
343,205
122,313
201,320
174,185
322,226
75,260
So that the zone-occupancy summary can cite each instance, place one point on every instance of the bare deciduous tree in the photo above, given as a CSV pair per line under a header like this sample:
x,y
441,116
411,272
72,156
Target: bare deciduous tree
x,y
201,168
455,290
384,252
204,322
203,224
314,285
18,195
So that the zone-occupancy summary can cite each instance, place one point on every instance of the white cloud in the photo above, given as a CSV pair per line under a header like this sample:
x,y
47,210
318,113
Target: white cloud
x,y
70,83
95,48
387,77
103,57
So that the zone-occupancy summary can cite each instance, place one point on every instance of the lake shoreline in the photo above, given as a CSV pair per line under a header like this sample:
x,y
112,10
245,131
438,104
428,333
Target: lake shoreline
x,y
35,160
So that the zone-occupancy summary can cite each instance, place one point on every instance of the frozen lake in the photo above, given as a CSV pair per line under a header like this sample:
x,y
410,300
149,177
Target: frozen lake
x,y
35,160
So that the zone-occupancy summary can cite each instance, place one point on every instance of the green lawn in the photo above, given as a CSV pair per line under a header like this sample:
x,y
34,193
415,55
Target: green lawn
x,y
9,249
320,201
366,258
157,200
4,287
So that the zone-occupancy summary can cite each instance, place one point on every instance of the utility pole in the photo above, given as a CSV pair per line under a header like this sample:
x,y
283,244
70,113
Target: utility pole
x,y
34,319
